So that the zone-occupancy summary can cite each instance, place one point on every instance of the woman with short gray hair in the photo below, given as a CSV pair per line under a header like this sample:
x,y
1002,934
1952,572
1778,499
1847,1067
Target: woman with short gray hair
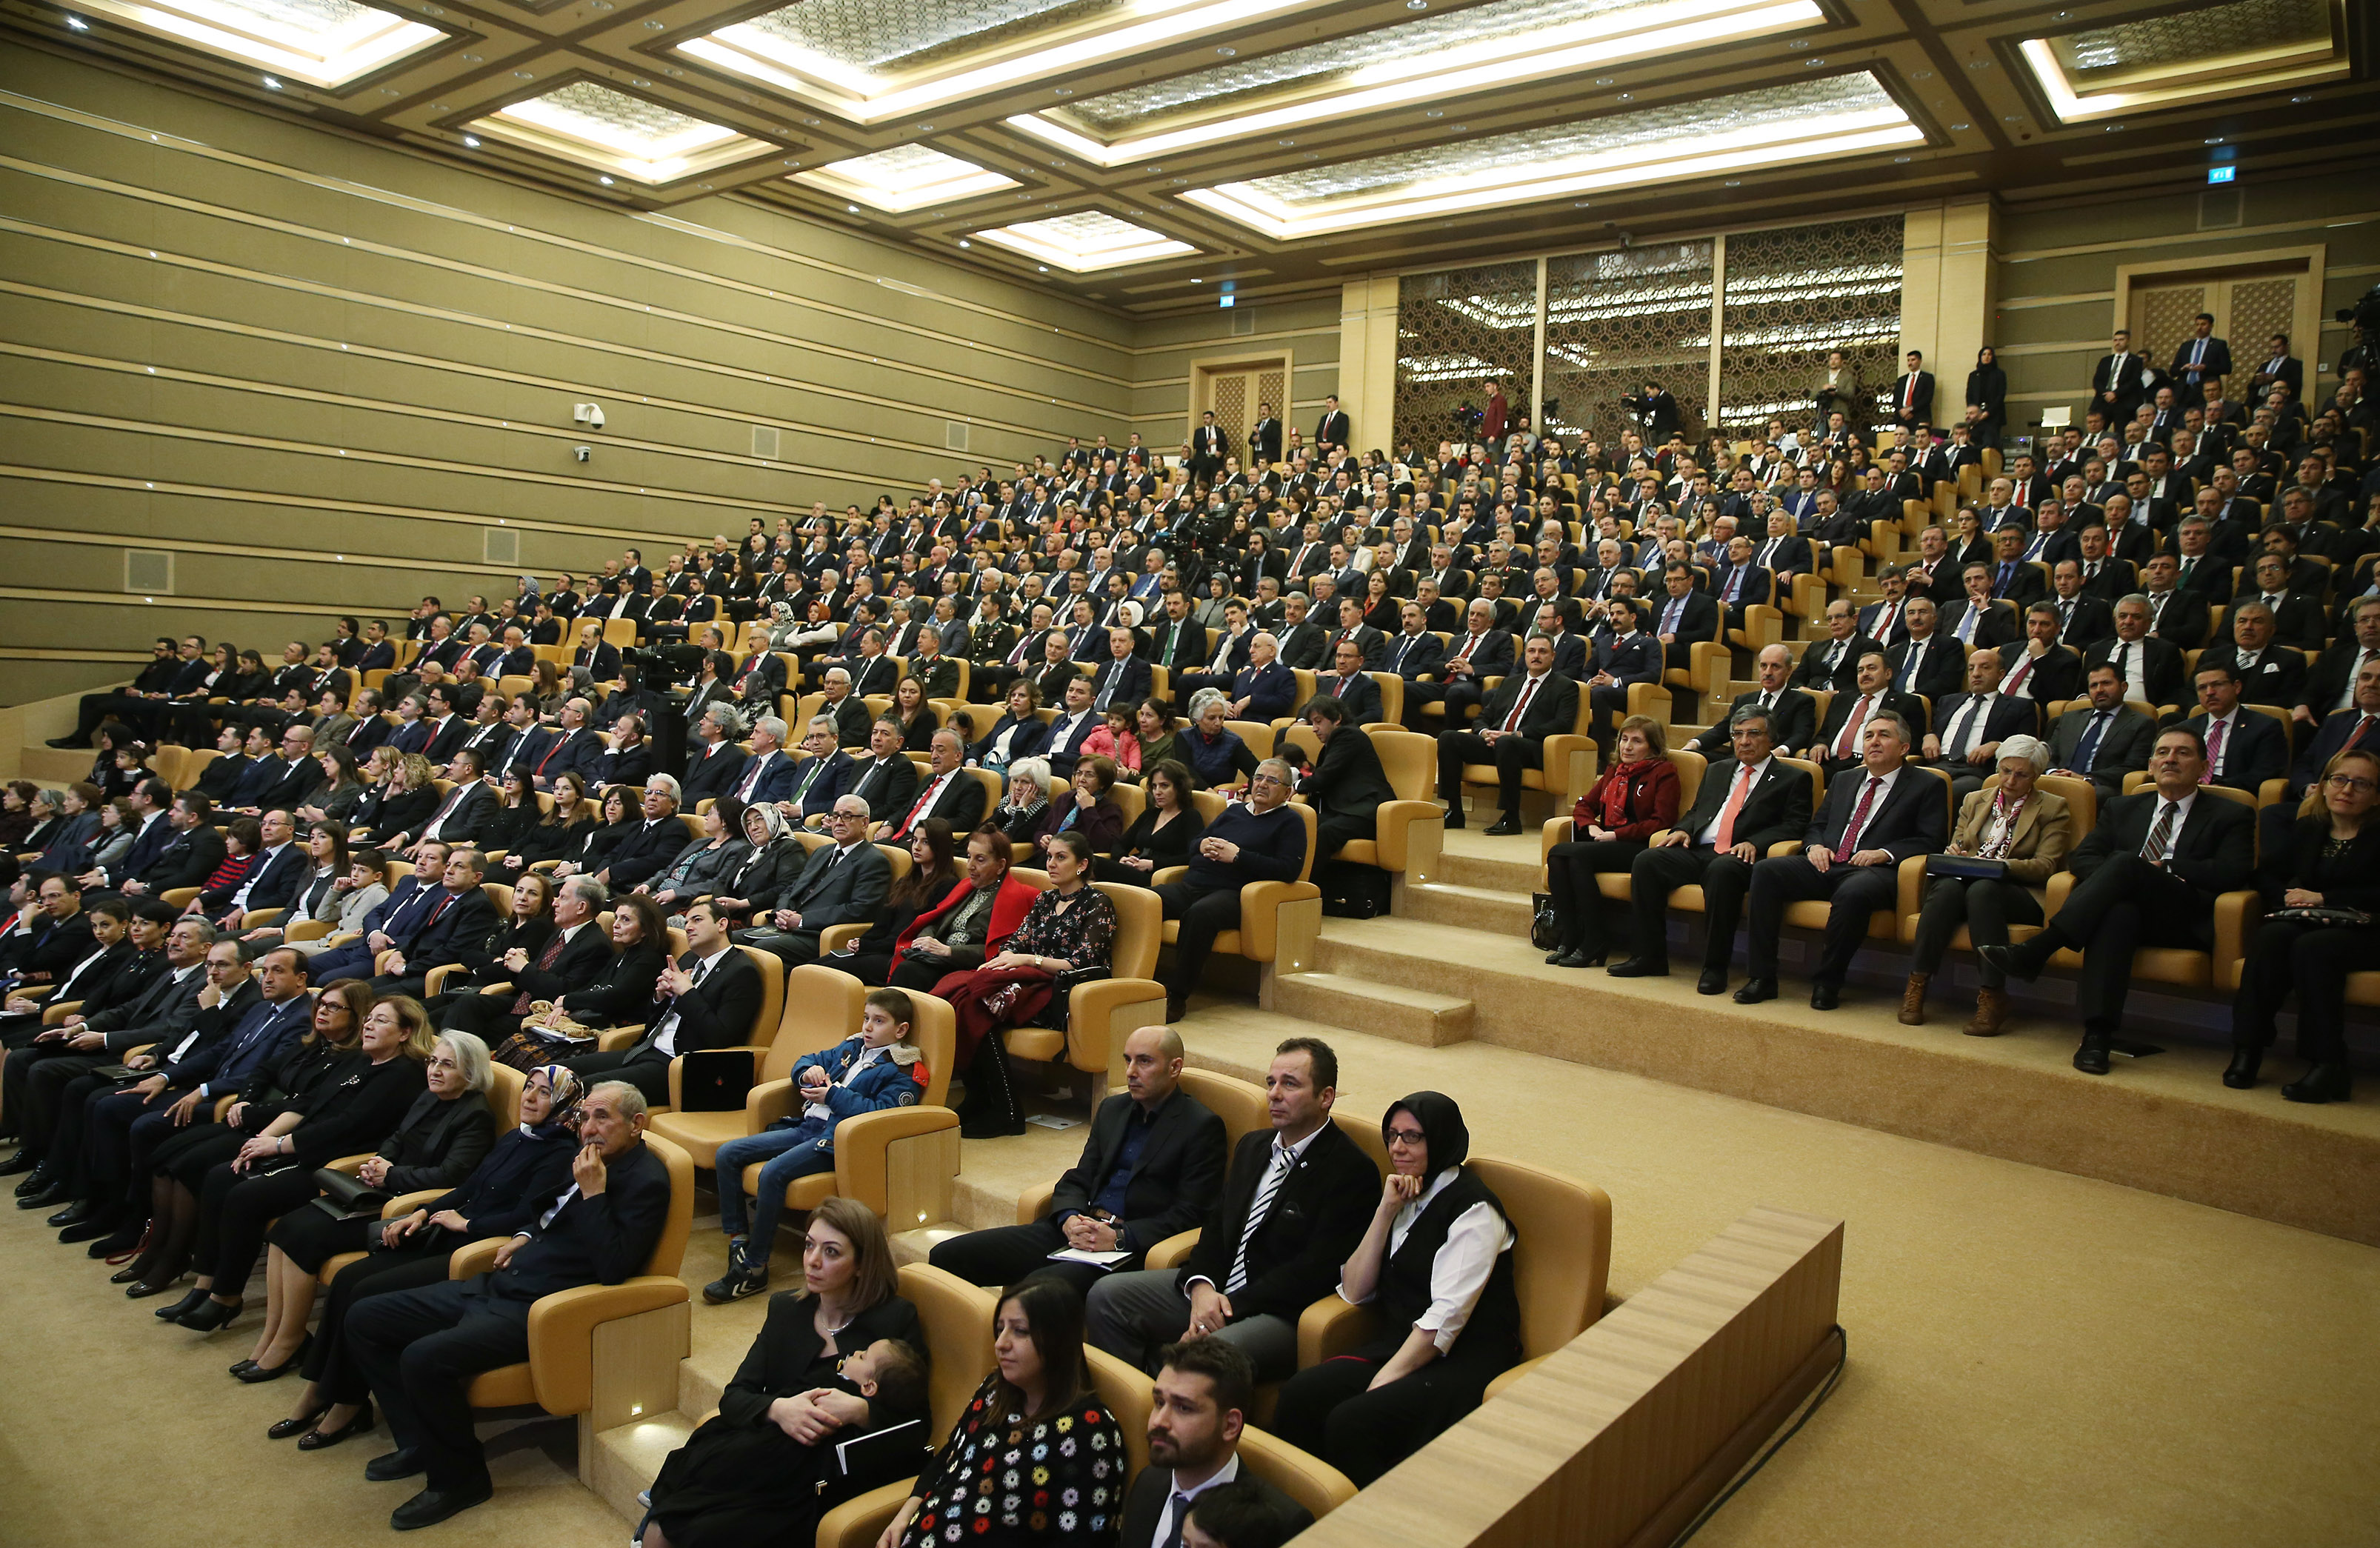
x,y
2011,837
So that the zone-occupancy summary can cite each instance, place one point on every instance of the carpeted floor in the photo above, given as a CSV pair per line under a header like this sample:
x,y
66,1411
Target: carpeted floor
x,y
2037,1359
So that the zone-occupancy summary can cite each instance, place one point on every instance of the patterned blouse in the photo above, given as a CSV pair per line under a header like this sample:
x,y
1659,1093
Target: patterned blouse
x,y
1007,1483
1083,935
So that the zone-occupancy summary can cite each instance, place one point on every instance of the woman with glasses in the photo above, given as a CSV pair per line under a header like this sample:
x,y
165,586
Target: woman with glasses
x,y
2321,883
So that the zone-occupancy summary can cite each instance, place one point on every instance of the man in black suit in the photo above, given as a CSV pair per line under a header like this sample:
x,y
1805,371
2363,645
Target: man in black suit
x,y
2083,619
1263,440
714,764
2330,681
1481,650
658,838
1332,429
2201,357
1348,685
2151,668
1841,741
1830,664
2119,380
706,999
2147,874
1925,663
2241,747
1794,715
2358,725
2042,670
1746,801
454,921
1153,1159
1527,708
1683,618
844,883
271,882
2104,741
1875,817
1413,651
419,1348
1969,728
573,960
1912,396
1122,679
1177,642
2104,575
1208,445
2269,674
1203,1393
851,718
1297,1199
946,791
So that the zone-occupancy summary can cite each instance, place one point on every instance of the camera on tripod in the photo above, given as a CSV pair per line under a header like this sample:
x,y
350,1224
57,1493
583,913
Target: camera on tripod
x,y
662,667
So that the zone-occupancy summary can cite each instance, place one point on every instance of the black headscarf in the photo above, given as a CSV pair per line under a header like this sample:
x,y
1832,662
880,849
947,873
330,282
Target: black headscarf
x,y
1441,1124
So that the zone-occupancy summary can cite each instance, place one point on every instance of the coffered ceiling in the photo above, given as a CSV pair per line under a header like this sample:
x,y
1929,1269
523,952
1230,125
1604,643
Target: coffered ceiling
x,y
1123,148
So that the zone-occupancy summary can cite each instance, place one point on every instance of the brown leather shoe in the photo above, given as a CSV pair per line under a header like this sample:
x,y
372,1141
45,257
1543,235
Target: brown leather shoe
x,y
1991,1013
1913,1000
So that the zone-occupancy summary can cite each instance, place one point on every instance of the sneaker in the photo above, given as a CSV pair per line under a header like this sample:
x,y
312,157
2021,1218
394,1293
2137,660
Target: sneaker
x,y
745,1277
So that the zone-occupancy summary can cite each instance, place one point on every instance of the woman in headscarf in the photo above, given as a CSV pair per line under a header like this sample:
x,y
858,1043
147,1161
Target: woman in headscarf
x,y
772,861
1437,1264
526,1172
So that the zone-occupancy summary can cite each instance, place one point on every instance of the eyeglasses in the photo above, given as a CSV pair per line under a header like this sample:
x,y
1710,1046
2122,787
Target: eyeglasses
x,y
2349,783
1406,1136
1267,779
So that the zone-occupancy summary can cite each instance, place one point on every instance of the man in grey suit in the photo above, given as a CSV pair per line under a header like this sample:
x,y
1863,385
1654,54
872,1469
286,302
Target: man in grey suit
x,y
1204,1391
844,884
2105,742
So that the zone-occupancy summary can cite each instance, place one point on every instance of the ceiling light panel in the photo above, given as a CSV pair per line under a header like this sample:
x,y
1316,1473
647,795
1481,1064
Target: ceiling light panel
x,y
612,131
2222,51
1086,242
1486,47
1779,126
904,178
870,61
324,44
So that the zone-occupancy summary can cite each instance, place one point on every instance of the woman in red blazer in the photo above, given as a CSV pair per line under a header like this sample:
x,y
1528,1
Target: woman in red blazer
x,y
1635,798
966,929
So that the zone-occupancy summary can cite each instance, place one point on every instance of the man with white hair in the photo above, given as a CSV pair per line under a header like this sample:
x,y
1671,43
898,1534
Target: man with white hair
x,y
714,764
1261,840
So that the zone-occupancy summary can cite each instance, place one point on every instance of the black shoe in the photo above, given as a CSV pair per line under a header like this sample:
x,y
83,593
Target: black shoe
x,y
76,1214
181,1308
1454,819
1825,995
282,1429
129,1274
748,1274
2092,1057
389,1467
433,1506
989,1125
1506,825
315,1440
211,1314
1639,967
1712,982
23,1161
51,1197
2241,1075
1754,990
121,1240
2325,1081
255,1373
1553,958
91,1226
2014,960
1176,1007
1577,958
141,1289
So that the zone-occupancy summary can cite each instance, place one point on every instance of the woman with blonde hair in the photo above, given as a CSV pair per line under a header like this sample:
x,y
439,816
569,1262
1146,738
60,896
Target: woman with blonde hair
x,y
2018,832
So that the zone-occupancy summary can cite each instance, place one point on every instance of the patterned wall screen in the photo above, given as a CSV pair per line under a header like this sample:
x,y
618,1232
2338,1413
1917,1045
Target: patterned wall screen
x,y
2162,314
1793,295
1615,320
1455,328
2259,309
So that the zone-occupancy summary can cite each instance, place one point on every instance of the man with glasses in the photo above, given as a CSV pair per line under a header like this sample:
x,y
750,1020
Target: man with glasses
x,y
845,883
1261,840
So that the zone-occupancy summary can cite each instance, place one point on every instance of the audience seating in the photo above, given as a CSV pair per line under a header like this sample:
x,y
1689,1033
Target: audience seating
x,y
1279,920
822,1009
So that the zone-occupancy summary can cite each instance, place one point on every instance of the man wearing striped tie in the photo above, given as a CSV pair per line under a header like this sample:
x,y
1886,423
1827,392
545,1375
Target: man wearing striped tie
x,y
1297,1200
2148,875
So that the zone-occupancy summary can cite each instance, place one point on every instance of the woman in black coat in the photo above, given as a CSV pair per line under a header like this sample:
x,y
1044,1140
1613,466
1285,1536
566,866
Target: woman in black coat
x,y
772,862
550,835
529,928
518,811
1987,390
589,848
409,799
522,1176
932,873
1164,833
763,1469
2328,858
446,1132
365,1097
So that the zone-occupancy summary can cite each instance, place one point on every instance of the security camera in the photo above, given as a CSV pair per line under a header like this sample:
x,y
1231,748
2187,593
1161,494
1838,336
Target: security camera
x,y
587,414
582,452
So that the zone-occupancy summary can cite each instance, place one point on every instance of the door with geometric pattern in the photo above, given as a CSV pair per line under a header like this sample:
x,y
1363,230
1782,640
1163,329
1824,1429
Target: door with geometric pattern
x,y
1233,391
2249,304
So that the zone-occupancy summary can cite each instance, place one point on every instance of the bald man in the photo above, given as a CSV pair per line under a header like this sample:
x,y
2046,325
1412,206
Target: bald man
x,y
1155,1158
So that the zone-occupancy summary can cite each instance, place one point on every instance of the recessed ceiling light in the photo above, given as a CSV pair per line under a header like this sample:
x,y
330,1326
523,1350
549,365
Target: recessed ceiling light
x,y
965,243
1963,125
1603,80
636,82
1812,63
2115,128
1416,5
1197,281
1979,63
1735,182
1799,42
852,209
1900,161
603,179
472,141
1065,91
1289,143
2215,139
524,75
1922,75
1229,52
655,26
79,24
271,84
1043,267
1627,96
1182,182
2011,117
1580,204
471,58
1462,128
925,128
2302,97
1433,112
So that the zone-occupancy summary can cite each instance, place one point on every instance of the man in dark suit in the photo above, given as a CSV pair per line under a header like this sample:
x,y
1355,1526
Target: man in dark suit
x,y
946,791
1203,1395
573,960
2330,681
844,705
2042,670
1740,583
271,882
1177,642
1977,619
1152,1160
2104,741
808,786
2358,725
419,1348
1122,679
1264,439
1413,651
1208,445
1912,396
2201,357
1746,801
1925,663
1294,1203
1347,685
1831,663
1683,618
706,999
455,920
2083,619
1332,429
1968,728
2269,674
714,766
1792,713
2241,747
1875,817
1840,742
461,816
1527,708
844,883
1481,650
1624,655
2117,381
886,779
658,838
2151,668
2148,875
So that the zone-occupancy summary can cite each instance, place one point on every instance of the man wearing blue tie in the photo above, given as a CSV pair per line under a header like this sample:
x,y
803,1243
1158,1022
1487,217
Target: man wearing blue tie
x,y
2202,357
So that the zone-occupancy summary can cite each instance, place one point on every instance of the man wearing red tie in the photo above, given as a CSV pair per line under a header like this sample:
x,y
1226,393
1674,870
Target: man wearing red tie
x,y
1351,686
948,792
1912,396
1527,708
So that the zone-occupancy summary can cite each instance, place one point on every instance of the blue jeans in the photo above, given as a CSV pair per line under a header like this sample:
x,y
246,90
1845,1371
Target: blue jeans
x,y
785,1154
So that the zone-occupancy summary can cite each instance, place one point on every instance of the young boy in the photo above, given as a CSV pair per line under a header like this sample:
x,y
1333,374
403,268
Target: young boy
x,y
1233,1516
889,1370
878,1068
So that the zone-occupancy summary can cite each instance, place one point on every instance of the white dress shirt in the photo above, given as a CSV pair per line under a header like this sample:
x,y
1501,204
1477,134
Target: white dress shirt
x,y
1459,1273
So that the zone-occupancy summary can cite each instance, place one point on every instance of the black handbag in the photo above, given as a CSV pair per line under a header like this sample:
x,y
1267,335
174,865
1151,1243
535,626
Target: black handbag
x,y
2336,918
347,1197
1966,867
1545,926
715,1080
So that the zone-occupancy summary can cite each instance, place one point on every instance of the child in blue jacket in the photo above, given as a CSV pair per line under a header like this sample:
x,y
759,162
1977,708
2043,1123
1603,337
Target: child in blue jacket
x,y
878,1069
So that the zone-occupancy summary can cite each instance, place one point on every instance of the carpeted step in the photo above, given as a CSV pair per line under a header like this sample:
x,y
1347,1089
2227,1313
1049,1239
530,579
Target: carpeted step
x,y
1415,1016
627,1458
1479,907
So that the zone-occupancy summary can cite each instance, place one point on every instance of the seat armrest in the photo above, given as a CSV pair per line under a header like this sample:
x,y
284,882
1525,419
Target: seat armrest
x,y
1556,757
476,1257
618,1038
2060,884
561,1333
1090,1017
1557,831
1331,1327
858,1523
341,938
834,937
1034,1203
1172,1252
306,929
1260,904
436,979
57,1010
1397,825
2235,914
1169,874
1784,847
258,918
350,1164
406,1204
768,1102
862,1141
1912,885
